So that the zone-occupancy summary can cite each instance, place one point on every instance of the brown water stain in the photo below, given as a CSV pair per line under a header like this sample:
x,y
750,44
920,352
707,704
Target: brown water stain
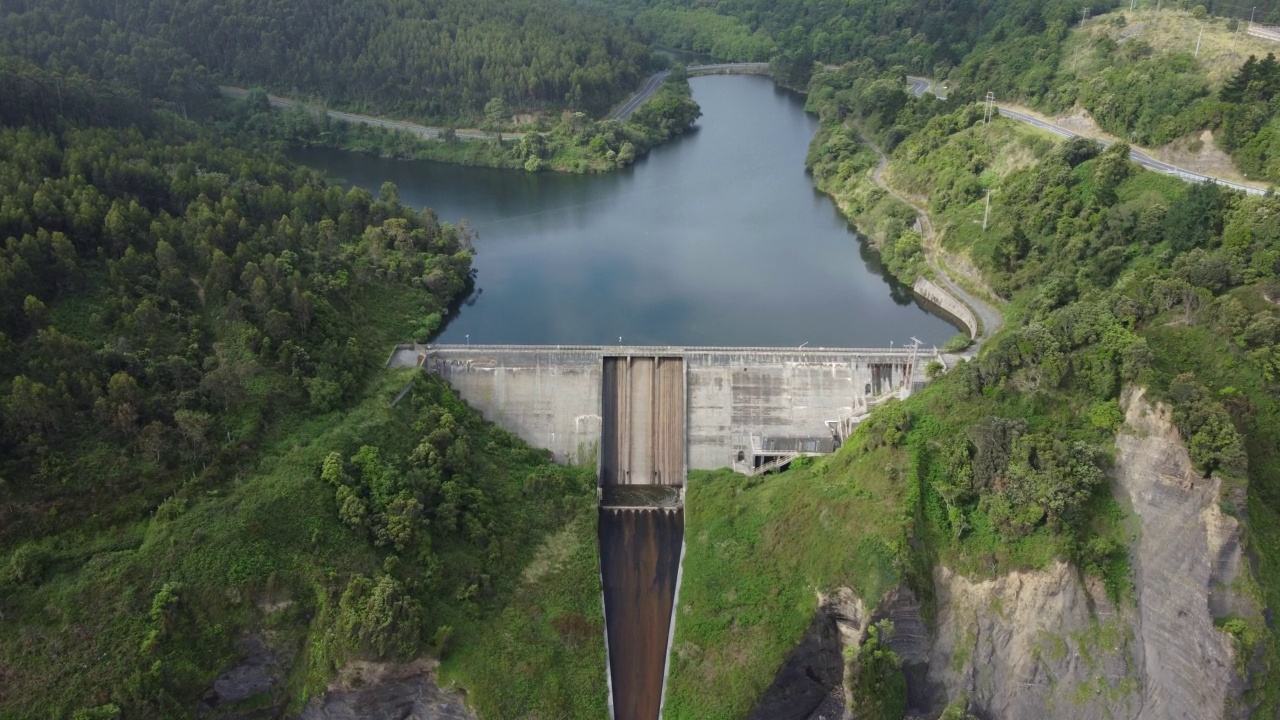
x,y
639,562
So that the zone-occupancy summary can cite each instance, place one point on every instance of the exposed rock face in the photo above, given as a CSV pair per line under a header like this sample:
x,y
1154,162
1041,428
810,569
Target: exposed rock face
x,y
808,686
1185,563
1048,644
807,677
1026,645
384,691
250,689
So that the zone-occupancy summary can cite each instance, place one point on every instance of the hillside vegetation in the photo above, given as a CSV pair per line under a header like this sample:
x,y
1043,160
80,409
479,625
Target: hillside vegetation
x,y
1137,75
576,143
441,60
195,444
1114,276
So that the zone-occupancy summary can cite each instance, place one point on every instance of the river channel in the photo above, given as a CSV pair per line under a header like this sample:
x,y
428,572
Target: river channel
x,y
716,238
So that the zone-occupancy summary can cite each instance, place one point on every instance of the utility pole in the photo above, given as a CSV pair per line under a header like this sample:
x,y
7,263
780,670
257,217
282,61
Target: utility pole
x,y
986,216
991,99
1084,15
1198,39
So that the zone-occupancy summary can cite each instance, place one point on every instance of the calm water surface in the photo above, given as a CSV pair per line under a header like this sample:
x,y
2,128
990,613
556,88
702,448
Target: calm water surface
x,y
717,238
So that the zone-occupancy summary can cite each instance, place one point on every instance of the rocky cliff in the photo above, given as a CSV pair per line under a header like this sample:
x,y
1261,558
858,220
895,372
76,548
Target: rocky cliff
x,y
1049,644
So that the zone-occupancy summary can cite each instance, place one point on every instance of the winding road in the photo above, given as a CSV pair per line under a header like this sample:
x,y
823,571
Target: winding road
x,y
655,81
431,133
918,86
642,96
990,317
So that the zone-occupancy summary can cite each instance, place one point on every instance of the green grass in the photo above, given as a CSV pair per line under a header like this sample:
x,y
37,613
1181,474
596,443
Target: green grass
x,y
543,656
756,554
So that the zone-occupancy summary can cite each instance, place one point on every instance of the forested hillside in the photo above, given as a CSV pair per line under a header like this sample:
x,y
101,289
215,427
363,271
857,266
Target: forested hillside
x,y
436,60
193,451
923,37
1139,77
1113,277
576,143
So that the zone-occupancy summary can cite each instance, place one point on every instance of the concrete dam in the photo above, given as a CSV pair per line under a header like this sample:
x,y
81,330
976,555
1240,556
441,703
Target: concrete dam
x,y
743,407
644,416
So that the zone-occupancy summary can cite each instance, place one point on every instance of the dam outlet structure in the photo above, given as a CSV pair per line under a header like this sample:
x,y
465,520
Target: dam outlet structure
x,y
644,416
640,472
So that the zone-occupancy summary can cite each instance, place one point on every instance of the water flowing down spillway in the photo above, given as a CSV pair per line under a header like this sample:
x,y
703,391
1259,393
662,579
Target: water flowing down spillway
x,y
639,565
642,469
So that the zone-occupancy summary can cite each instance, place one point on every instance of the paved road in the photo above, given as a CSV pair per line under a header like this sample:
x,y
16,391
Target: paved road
x,y
655,81
640,98
1266,33
432,133
992,319
919,86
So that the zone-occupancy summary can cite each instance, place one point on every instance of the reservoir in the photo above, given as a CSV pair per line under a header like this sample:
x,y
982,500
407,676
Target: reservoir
x,y
715,238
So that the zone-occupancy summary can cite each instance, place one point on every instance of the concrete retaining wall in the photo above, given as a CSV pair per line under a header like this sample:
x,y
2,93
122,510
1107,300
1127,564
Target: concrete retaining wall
x,y
551,396
948,303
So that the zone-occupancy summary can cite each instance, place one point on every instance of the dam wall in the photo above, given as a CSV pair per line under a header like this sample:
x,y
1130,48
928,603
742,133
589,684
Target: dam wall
x,y
740,401
949,304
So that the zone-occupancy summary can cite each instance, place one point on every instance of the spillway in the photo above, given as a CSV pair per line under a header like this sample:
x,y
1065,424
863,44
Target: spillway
x,y
639,565
642,467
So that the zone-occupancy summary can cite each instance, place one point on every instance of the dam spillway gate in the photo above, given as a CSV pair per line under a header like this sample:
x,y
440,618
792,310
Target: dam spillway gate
x,y
644,417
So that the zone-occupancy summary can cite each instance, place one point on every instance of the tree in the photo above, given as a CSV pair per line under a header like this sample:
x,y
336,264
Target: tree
x,y
877,689
496,114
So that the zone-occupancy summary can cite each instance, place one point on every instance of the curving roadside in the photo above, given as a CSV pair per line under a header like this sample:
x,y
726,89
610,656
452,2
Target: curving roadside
x,y
918,86
430,133
655,81
990,318
642,96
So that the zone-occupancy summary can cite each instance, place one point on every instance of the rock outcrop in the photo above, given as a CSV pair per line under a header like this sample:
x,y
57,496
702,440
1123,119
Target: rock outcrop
x,y
386,691
1050,644
1185,564
809,685
1033,644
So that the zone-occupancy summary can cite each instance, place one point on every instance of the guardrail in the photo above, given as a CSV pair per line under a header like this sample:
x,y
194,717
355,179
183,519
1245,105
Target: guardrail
x,y
654,349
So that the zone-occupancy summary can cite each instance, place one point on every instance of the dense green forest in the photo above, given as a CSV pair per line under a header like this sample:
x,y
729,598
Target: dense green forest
x,y
926,38
439,61
194,447
576,143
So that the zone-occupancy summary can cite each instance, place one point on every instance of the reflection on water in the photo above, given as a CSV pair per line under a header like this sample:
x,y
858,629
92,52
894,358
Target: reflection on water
x,y
717,238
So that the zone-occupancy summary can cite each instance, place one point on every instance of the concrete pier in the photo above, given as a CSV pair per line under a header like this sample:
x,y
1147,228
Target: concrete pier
x,y
739,400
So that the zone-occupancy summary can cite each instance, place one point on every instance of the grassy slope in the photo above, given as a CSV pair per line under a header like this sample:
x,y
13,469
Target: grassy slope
x,y
1170,31
759,550
756,553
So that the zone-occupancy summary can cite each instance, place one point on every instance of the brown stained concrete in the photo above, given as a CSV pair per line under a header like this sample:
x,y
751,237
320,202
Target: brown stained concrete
x,y
639,566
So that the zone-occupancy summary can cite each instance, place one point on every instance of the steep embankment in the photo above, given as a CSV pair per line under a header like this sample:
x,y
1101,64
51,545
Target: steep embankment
x,y
1046,642
1069,565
